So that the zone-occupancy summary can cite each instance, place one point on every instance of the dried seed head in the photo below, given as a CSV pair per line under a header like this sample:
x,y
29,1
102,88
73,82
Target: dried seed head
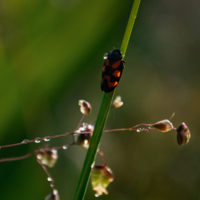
x,y
85,107
83,139
47,157
163,126
183,134
117,102
101,176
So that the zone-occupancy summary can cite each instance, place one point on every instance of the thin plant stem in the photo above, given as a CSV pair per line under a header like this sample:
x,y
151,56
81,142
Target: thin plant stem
x,y
129,27
17,158
141,125
172,116
78,126
48,174
102,117
72,133
64,146
34,152
38,139
80,122
103,157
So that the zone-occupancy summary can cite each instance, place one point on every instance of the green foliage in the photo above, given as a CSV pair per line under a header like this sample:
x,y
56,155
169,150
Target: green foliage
x,y
50,57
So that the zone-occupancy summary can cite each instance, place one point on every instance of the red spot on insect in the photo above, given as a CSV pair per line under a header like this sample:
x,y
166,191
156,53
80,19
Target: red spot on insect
x,y
107,77
104,69
116,64
107,62
112,84
117,73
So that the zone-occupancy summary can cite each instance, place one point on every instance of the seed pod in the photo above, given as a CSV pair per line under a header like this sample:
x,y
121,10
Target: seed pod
x,y
101,176
183,134
47,157
117,102
85,107
83,139
163,126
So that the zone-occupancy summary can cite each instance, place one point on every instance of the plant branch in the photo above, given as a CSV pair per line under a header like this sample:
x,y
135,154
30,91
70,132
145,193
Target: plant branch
x,y
17,158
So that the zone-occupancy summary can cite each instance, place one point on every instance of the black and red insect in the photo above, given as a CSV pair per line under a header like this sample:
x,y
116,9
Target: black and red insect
x,y
112,70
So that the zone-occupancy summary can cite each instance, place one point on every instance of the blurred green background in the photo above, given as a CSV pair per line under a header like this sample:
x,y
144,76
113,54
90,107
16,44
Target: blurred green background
x,y
51,55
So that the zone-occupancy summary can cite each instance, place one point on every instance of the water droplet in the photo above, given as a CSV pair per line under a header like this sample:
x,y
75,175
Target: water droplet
x,y
55,192
139,130
37,140
90,126
39,156
82,129
78,131
105,56
47,139
86,142
65,147
96,195
51,185
54,151
25,140
49,179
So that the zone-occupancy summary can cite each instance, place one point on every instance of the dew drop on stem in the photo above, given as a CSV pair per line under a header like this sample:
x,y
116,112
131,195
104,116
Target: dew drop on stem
x,y
105,56
37,140
47,139
25,140
49,179
51,185
96,195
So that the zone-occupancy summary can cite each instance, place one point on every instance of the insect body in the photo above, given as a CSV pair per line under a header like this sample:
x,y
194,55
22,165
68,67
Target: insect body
x,y
112,70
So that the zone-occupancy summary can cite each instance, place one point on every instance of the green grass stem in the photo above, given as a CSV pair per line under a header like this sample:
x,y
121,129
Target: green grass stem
x,y
102,116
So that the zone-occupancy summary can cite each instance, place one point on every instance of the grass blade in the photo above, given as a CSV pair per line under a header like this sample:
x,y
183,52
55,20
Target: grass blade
x,y
102,116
